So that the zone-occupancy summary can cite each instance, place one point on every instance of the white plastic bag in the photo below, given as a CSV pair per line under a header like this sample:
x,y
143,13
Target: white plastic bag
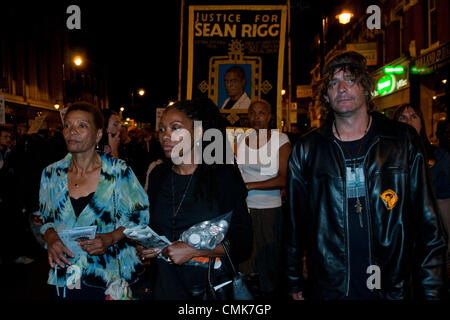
x,y
208,234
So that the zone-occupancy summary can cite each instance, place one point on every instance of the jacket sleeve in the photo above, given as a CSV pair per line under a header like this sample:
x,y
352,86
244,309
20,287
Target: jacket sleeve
x,y
132,200
294,235
45,209
430,238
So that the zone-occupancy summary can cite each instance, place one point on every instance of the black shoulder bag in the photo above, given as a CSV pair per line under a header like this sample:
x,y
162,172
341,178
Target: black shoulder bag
x,y
233,289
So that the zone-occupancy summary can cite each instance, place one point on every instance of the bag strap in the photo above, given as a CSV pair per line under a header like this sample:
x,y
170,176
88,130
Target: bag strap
x,y
211,263
212,260
225,245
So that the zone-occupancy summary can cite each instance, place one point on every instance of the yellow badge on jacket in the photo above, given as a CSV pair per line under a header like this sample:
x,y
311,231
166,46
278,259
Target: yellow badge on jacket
x,y
390,198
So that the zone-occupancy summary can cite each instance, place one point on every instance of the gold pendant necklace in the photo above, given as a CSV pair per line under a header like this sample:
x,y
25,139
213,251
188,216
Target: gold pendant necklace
x,y
83,174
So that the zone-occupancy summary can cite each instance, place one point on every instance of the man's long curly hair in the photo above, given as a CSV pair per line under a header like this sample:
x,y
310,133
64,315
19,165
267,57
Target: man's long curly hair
x,y
204,110
355,64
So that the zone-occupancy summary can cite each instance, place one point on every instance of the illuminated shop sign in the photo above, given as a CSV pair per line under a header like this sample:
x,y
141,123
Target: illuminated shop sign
x,y
394,70
421,71
386,84
394,78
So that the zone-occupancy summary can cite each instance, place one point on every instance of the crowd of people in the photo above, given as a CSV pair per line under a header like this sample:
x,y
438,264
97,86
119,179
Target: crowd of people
x,y
357,209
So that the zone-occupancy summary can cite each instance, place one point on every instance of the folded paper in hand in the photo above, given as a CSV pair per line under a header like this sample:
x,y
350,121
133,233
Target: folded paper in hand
x,y
70,236
146,237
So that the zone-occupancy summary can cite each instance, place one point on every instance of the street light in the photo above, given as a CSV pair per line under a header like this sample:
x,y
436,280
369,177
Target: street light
x,y
78,61
140,92
344,17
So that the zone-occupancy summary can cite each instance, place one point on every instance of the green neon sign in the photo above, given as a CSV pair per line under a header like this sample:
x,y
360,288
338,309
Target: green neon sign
x,y
395,70
416,70
386,84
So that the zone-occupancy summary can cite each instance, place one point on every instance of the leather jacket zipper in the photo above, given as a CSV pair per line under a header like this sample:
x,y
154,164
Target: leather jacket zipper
x,y
347,285
369,220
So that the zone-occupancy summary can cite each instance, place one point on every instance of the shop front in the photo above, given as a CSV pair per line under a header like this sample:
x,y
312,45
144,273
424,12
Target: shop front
x,y
429,76
25,119
392,86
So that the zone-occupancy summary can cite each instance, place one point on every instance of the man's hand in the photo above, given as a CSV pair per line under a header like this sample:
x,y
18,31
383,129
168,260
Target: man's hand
x,y
114,142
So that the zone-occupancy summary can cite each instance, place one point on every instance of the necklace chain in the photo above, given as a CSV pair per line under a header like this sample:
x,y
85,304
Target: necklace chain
x,y
358,205
175,212
353,159
83,174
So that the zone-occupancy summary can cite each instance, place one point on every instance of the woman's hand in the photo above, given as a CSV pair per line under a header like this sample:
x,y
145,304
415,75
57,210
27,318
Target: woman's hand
x,y
297,296
145,253
114,142
99,245
179,252
56,249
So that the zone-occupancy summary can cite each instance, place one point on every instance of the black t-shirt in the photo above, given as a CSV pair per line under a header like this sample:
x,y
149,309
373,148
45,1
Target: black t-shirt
x,y
358,230
166,190
176,208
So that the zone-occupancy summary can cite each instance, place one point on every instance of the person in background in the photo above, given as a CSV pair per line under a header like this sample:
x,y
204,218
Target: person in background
x,y
110,140
90,188
438,159
361,201
155,152
126,149
183,193
443,134
5,145
265,182
6,195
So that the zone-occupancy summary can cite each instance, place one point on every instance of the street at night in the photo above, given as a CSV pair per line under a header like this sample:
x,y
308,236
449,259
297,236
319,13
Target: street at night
x,y
260,153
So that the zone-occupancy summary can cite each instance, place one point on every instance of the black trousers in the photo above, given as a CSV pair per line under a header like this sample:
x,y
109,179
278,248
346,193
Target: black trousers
x,y
266,253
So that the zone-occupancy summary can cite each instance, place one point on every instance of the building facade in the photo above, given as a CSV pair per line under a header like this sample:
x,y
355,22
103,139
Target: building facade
x,y
408,56
37,73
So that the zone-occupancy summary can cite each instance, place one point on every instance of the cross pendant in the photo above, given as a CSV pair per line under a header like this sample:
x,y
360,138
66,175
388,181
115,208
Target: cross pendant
x,y
358,206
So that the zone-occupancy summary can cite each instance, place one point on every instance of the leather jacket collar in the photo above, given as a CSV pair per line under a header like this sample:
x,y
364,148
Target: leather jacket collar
x,y
381,127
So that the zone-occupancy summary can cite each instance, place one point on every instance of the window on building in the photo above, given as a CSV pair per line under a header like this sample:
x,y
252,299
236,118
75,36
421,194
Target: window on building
x,y
431,22
394,31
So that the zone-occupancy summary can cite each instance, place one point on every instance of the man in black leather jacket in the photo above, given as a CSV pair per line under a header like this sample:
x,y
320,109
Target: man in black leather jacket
x,y
362,207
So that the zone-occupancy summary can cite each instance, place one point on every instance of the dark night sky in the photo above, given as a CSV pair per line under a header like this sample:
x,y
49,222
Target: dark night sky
x,y
138,41
139,44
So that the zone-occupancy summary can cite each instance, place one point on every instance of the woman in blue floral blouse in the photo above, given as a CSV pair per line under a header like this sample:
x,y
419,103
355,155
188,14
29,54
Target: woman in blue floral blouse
x,y
90,188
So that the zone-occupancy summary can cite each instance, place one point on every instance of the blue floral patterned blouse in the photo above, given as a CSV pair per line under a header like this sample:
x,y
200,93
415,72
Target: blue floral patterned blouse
x,y
131,210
